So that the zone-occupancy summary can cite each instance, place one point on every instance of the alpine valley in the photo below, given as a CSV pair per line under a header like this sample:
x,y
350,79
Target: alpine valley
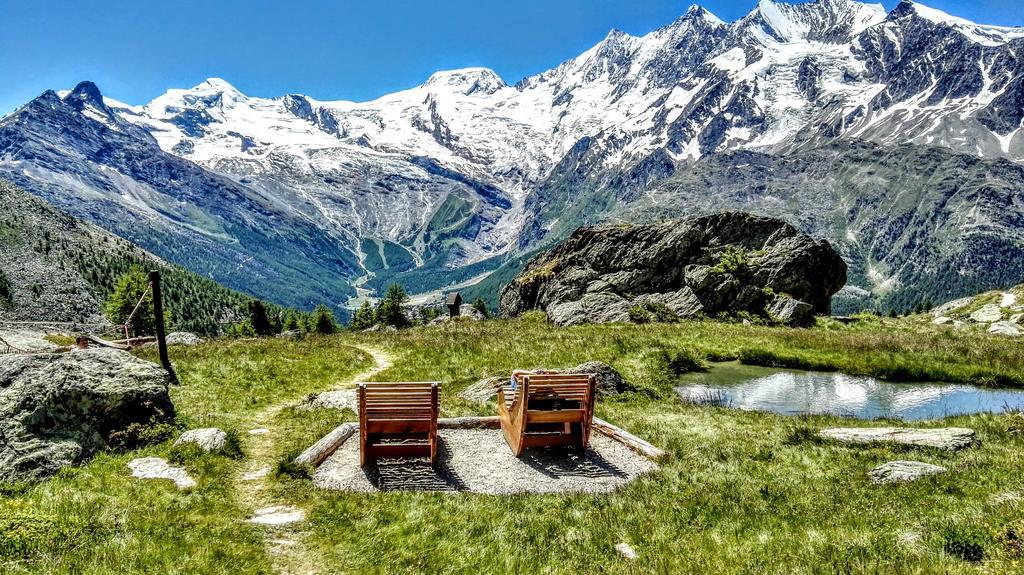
x,y
895,135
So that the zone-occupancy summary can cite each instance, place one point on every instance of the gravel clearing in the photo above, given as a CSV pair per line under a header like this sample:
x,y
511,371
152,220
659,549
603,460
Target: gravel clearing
x,y
479,461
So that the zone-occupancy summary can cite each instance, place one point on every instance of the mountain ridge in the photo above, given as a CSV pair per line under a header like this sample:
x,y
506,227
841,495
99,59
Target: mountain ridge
x,y
464,170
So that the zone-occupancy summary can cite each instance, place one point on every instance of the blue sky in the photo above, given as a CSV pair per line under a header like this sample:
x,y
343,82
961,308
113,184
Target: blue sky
x,y
355,50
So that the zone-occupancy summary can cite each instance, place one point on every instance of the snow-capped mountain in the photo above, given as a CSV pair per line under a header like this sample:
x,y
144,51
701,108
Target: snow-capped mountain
x,y
435,184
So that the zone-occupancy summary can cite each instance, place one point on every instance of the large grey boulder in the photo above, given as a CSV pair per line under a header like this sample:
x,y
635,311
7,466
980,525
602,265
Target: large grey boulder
x,y
948,438
896,471
59,409
722,264
609,382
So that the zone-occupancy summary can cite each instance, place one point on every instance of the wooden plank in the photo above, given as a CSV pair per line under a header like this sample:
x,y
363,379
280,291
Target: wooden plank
x,y
400,450
557,416
548,439
395,426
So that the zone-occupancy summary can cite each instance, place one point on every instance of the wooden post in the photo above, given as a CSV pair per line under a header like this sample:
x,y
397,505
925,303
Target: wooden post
x,y
161,336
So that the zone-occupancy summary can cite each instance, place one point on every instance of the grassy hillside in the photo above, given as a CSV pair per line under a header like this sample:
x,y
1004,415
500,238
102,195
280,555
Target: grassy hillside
x,y
739,492
57,268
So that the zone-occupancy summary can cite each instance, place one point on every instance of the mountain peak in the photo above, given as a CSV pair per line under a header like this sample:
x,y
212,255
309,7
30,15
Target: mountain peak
x,y
821,20
86,94
696,11
216,85
467,81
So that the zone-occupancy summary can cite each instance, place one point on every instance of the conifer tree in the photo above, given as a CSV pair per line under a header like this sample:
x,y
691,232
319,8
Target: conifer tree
x,y
323,320
481,307
391,310
259,320
126,295
363,317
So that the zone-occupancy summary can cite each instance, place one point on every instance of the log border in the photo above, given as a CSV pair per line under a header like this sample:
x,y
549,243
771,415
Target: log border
x,y
330,443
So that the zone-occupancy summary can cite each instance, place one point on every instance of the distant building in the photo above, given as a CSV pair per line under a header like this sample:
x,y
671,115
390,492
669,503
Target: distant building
x,y
454,303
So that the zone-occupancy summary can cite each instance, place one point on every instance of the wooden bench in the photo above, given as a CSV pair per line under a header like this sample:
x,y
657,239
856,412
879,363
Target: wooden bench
x,y
547,410
397,420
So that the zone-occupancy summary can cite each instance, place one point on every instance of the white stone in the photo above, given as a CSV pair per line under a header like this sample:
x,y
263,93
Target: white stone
x,y
1005,328
259,431
278,515
1007,497
183,338
207,438
257,474
1008,300
626,551
157,468
1015,318
950,438
942,320
896,471
987,314
337,399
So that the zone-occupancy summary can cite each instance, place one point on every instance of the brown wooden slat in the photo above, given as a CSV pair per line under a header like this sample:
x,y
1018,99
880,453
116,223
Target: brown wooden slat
x,y
397,427
400,450
546,439
561,416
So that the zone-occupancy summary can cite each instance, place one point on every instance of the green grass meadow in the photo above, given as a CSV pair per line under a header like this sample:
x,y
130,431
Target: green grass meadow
x,y
737,492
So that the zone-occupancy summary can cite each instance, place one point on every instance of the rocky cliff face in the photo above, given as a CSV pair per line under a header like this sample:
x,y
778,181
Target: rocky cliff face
x,y
723,264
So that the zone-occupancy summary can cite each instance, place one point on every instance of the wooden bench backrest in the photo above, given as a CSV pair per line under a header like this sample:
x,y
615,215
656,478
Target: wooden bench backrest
x,y
412,405
569,387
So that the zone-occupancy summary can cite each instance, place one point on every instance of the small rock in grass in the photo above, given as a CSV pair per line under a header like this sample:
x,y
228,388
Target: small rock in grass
x,y
626,551
278,515
1006,328
157,468
208,438
1008,300
896,471
183,338
259,431
942,320
337,399
1007,497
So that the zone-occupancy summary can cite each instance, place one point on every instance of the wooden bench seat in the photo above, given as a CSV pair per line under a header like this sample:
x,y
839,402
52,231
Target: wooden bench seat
x,y
397,419
547,410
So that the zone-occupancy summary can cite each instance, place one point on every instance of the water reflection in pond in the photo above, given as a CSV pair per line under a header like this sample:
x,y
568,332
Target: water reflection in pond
x,y
792,392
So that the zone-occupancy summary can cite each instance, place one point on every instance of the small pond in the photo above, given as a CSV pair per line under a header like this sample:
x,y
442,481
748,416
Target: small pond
x,y
794,392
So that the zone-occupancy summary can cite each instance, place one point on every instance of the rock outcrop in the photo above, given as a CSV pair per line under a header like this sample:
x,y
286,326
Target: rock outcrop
x,y
897,471
59,409
948,438
723,264
609,382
